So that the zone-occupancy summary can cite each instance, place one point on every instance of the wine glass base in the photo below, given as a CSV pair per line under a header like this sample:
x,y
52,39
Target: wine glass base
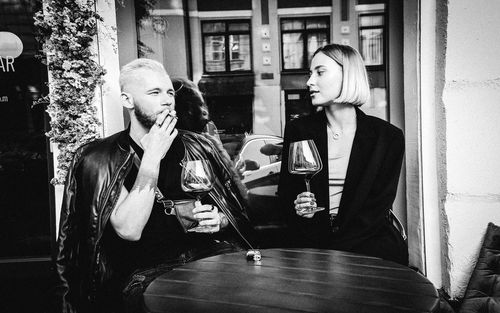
x,y
198,229
313,210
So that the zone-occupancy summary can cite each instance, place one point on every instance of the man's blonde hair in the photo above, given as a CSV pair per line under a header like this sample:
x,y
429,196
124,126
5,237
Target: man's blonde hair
x,y
355,86
129,70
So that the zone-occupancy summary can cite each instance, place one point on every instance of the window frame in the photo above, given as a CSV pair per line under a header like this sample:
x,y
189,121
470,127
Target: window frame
x,y
384,39
227,51
305,32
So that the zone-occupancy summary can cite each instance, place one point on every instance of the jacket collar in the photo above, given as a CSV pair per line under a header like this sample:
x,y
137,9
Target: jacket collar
x,y
363,128
124,139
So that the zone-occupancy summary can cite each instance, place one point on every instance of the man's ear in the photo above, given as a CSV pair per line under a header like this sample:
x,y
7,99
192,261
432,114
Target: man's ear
x,y
127,100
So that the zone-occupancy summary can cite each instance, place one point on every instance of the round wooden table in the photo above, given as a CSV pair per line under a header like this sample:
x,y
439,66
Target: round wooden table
x,y
292,280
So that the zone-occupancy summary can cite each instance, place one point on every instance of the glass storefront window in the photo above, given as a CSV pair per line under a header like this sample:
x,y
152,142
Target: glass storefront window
x,y
239,27
214,27
371,20
299,41
315,23
219,43
371,39
372,46
215,57
231,114
315,41
240,52
24,155
292,24
293,51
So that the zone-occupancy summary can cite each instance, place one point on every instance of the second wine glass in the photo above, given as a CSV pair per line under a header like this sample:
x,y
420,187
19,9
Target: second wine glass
x,y
304,159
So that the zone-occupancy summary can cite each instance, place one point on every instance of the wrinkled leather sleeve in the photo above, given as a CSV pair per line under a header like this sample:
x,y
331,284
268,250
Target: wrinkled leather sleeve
x,y
225,192
67,274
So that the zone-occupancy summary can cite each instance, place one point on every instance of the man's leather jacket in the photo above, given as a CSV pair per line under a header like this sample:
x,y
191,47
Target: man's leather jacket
x,y
92,188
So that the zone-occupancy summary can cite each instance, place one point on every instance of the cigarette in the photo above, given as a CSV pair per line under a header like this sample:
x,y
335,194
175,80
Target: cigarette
x,y
172,114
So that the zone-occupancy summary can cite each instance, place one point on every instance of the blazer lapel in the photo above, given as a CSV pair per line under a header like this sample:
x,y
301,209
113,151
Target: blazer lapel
x,y
320,184
361,152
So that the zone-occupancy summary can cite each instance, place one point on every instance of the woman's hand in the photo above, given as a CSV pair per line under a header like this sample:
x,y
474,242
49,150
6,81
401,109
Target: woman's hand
x,y
209,218
304,203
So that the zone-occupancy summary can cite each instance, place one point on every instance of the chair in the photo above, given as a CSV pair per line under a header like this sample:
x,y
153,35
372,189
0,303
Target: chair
x,y
483,291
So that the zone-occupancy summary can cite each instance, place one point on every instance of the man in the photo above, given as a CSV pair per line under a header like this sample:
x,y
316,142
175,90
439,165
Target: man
x,y
115,236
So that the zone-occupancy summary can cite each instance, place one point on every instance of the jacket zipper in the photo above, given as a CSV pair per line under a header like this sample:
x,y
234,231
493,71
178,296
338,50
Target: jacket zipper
x,y
113,182
98,252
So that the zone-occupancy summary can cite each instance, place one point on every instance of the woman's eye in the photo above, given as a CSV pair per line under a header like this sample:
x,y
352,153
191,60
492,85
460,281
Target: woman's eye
x,y
155,93
320,73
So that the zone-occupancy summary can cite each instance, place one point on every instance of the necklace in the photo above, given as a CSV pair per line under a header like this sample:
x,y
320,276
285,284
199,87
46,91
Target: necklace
x,y
336,134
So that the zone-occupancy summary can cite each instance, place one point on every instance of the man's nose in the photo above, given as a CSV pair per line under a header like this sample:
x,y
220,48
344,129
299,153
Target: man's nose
x,y
167,100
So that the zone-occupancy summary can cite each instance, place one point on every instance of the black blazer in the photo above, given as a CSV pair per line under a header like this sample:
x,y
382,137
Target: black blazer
x,y
370,187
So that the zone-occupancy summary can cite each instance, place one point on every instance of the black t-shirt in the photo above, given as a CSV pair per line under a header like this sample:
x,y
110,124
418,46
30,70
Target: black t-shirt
x,y
163,239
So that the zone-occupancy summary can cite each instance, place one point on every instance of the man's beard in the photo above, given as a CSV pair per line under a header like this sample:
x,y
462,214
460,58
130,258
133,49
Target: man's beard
x,y
147,121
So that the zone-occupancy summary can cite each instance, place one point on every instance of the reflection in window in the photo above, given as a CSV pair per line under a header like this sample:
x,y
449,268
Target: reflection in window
x,y
315,41
371,38
302,37
293,51
215,57
226,38
240,52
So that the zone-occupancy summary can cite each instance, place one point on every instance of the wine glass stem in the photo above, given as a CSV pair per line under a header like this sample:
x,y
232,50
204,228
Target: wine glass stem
x,y
308,186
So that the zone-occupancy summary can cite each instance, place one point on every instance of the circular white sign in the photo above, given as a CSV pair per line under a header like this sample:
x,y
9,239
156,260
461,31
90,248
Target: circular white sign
x,y
10,45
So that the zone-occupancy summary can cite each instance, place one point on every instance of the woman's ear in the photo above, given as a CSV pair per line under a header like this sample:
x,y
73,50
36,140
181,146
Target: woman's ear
x,y
127,100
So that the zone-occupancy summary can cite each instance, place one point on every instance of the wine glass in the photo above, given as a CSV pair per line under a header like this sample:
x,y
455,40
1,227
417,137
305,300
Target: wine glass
x,y
197,178
304,159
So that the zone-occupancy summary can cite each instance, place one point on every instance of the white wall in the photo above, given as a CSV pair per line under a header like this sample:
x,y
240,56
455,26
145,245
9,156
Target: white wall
x,y
470,98
429,119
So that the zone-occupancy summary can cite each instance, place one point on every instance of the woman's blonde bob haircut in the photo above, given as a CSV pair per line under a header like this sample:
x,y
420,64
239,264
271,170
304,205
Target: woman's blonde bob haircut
x,y
355,86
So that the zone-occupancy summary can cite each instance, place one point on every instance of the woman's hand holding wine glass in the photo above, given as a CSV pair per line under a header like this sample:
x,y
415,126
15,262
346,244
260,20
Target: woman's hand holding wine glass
x,y
304,159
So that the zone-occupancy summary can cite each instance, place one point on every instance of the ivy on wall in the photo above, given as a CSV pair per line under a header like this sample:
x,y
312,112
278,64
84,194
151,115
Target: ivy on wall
x,y
66,30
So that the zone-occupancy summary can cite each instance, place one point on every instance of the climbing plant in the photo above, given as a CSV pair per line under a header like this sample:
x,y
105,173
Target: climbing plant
x,y
66,30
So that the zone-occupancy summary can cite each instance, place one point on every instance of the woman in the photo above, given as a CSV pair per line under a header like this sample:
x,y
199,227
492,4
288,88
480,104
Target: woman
x,y
192,112
361,155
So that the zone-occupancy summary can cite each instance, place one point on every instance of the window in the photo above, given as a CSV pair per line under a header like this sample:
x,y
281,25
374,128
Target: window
x,y
300,37
226,46
371,39
231,114
297,104
25,161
